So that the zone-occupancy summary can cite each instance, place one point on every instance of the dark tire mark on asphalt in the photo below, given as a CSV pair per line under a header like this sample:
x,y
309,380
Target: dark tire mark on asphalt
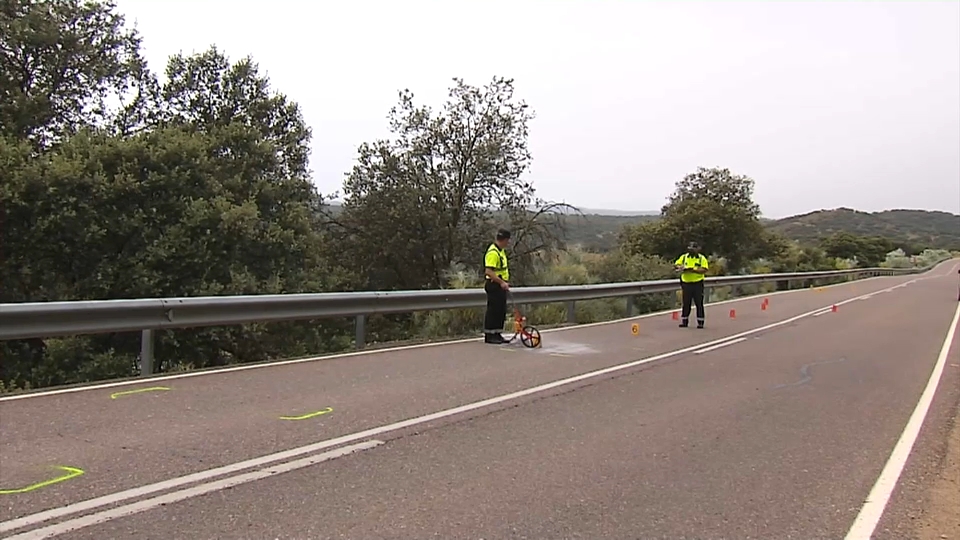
x,y
805,373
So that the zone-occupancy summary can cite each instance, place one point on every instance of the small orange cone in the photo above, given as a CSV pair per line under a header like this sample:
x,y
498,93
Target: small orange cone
x,y
834,308
766,302
733,314
763,306
676,316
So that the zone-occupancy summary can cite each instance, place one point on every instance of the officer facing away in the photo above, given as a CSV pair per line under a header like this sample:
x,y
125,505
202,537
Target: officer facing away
x,y
496,286
692,267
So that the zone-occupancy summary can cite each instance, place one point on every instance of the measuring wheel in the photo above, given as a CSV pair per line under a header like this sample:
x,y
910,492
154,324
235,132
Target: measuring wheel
x,y
530,337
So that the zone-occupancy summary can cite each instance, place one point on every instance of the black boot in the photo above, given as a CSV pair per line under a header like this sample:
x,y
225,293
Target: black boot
x,y
493,339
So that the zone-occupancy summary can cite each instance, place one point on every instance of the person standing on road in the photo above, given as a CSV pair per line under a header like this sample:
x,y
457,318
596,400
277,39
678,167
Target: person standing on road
x,y
496,286
692,266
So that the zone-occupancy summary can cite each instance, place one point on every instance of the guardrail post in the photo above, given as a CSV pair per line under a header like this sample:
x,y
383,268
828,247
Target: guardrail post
x,y
631,306
572,312
146,353
361,331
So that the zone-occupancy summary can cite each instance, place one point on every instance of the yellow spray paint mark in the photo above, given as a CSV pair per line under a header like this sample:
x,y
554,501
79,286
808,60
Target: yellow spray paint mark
x,y
635,329
115,395
71,472
308,415
560,355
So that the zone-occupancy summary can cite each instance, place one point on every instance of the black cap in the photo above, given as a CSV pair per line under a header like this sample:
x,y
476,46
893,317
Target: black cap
x,y
693,245
503,234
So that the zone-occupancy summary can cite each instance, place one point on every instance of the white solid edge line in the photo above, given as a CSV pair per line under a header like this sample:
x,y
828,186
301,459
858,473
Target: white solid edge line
x,y
176,496
279,363
114,498
720,345
872,509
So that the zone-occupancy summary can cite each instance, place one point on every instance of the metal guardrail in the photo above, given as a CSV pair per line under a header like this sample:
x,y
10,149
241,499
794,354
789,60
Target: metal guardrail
x,y
52,319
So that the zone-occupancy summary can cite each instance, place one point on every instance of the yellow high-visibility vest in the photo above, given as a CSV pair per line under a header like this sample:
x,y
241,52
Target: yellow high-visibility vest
x,y
691,261
496,258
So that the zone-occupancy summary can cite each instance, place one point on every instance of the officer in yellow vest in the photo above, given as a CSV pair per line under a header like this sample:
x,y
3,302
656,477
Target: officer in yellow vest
x,y
497,284
692,267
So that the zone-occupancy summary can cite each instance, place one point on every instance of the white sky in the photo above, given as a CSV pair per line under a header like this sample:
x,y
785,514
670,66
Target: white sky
x,y
824,104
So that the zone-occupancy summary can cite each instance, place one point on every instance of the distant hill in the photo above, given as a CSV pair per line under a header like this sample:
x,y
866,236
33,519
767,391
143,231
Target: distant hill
x,y
599,232
591,229
619,213
597,229
918,228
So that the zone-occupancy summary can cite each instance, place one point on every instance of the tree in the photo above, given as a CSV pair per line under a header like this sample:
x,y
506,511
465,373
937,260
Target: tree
x,y
712,207
431,196
157,215
61,61
209,93
201,189
867,251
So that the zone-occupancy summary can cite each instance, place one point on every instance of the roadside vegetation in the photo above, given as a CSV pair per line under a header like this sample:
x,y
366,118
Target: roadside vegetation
x,y
121,182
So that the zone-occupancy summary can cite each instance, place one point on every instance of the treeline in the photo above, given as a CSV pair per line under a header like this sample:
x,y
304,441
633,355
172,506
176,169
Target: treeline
x,y
118,183
911,230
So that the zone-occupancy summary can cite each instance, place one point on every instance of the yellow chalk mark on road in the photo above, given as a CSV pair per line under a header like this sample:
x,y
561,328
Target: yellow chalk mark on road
x,y
71,472
308,415
115,395
560,354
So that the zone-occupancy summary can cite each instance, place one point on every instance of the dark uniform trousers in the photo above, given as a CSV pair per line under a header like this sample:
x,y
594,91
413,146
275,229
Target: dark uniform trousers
x,y
496,308
692,293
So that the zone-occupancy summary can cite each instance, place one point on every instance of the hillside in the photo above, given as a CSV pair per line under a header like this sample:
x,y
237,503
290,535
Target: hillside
x,y
918,228
597,231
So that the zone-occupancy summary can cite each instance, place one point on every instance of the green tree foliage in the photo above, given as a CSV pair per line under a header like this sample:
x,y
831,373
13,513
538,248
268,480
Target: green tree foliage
x,y
711,206
165,213
867,251
433,195
911,230
61,61
208,195
210,94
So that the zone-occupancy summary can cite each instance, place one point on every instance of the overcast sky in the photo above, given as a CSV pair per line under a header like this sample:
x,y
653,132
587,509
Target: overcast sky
x,y
824,104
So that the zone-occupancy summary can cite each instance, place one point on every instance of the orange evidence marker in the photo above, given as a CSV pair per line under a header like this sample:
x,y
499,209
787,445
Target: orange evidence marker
x,y
733,314
676,316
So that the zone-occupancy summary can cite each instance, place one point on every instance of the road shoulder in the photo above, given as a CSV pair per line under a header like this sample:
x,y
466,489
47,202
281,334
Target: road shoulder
x,y
926,502
941,516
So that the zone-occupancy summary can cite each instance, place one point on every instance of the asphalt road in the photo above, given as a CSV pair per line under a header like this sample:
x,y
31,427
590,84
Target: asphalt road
x,y
688,434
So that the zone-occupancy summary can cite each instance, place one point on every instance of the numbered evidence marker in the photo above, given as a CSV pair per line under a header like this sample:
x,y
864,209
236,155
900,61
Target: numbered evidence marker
x,y
635,329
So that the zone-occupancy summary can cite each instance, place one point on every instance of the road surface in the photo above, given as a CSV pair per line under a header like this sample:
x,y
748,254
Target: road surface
x,y
774,424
